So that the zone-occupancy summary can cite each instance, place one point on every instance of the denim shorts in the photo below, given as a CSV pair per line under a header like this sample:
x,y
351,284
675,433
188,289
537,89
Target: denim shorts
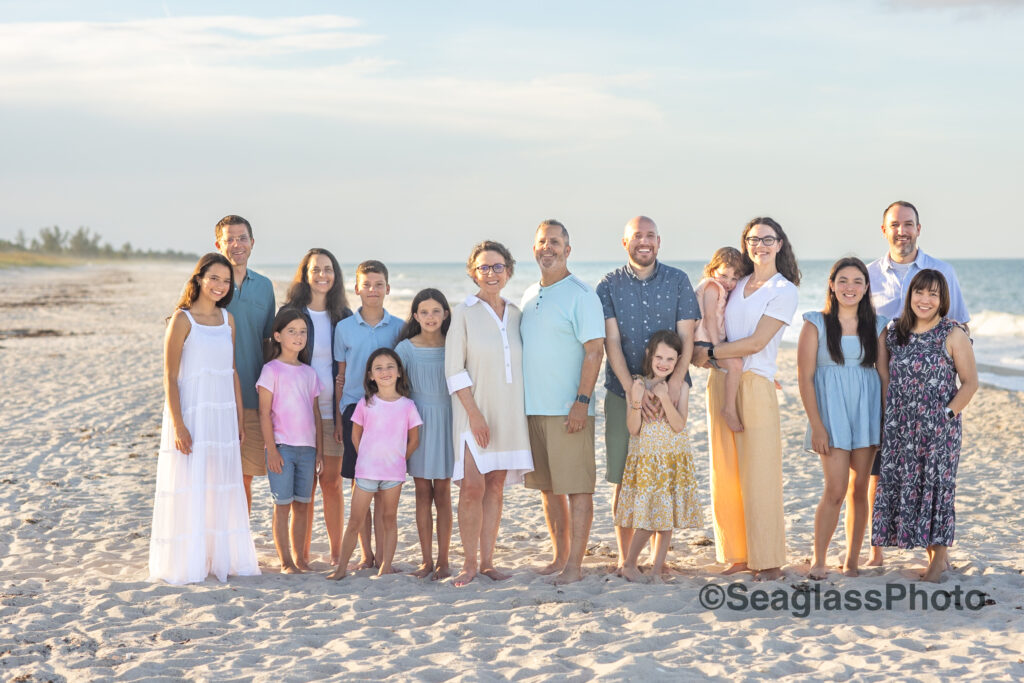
x,y
295,483
374,485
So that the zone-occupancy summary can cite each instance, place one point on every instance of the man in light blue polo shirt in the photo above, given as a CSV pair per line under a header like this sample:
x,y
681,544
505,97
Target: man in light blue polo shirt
x,y
563,345
891,274
253,309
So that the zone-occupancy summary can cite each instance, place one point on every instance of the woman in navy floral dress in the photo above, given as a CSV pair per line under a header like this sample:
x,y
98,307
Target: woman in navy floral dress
x,y
924,354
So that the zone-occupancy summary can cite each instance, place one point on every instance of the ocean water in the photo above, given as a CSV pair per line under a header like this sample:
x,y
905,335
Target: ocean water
x,y
992,288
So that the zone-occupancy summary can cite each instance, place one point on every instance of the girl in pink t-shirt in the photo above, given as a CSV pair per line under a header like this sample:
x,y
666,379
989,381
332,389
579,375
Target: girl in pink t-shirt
x,y
720,277
290,422
385,432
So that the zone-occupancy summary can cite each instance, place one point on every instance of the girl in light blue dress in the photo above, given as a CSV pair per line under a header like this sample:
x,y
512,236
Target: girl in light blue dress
x,y
421,348
842,396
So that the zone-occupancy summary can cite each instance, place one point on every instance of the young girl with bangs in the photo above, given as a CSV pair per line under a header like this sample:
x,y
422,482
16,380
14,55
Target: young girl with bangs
x,y
924,355
841,392
385,432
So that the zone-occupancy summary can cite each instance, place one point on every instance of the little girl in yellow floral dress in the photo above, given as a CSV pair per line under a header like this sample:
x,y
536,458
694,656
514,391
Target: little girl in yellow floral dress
x,y
659,490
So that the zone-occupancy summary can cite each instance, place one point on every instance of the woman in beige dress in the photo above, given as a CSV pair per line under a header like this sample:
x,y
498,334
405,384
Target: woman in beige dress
x,y
484,369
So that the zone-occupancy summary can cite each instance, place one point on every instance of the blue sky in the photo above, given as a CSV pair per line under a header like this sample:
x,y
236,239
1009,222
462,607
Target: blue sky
x,y
408,131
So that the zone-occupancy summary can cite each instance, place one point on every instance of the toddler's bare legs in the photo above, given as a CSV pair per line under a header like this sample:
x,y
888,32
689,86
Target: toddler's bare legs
x,y
733,368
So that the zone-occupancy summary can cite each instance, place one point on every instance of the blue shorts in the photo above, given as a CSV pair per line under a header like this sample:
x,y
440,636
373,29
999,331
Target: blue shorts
x,y
295,483
374,485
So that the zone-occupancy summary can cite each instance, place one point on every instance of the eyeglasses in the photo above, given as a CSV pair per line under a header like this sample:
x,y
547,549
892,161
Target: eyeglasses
x,y
766,241
497,269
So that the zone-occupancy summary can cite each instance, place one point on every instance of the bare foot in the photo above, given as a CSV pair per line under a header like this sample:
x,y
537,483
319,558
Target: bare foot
x,y
388,569
555,566
335,560
851,571
442,572
303,565
568,575
366,563
425,570
875,559
932,574
464,577
736,568
337,574
732,420
494,575
632,574
817,573
773,574
290,569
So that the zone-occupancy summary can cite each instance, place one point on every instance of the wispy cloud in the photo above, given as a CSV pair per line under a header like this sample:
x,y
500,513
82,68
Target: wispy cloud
x,y
313,65
958,4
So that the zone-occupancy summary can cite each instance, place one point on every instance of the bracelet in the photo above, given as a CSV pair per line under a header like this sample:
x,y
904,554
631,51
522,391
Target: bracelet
x,y
635,406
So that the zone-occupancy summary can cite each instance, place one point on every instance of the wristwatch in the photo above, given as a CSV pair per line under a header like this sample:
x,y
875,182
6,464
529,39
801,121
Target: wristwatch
x,y
949,413
584,399
711,352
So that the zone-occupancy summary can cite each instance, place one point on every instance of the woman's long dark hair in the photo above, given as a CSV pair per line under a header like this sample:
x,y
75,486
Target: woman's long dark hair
x,y
785,260
412,326
866,319
926,280
299,293
190,292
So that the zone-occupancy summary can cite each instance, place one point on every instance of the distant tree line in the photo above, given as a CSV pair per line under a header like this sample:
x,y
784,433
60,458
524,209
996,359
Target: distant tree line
x,y
84,242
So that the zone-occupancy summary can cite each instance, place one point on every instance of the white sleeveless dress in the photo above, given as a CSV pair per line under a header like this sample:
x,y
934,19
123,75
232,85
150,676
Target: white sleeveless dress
x,y
200,519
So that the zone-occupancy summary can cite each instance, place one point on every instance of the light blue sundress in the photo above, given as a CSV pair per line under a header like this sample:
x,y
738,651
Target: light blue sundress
x,y
434,458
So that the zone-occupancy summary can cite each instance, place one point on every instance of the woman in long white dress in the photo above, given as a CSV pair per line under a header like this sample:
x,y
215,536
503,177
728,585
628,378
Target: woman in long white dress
x,y
200,518
484,370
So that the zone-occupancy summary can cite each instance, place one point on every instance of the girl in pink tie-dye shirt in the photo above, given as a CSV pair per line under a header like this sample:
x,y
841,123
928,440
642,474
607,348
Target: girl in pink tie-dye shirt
x,y
385,432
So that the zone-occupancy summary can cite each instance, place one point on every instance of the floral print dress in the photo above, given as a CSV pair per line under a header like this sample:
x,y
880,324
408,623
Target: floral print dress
x,y
920,445
659,487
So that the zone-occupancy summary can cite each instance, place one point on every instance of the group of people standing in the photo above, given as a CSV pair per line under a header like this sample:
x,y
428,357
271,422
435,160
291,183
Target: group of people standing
x,y
488,394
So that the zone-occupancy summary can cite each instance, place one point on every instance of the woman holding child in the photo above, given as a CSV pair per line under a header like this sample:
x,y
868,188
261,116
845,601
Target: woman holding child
x,y
483,368
746,466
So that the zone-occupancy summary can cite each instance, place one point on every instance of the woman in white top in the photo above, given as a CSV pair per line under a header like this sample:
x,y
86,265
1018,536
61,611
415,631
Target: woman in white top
x,y
746,467
484,371
318,292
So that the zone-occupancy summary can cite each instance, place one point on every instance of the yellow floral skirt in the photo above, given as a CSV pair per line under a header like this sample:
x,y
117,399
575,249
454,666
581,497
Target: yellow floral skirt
x,y
659,488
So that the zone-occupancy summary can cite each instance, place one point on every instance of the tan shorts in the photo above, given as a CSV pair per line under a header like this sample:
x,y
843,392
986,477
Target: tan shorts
x,y
254,461
562,462
332,449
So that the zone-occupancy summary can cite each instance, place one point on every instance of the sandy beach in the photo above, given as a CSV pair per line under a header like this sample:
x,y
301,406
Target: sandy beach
x,y
80,361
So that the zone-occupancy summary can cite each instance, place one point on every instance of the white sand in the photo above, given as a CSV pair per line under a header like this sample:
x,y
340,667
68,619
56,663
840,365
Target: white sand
x,y
80,422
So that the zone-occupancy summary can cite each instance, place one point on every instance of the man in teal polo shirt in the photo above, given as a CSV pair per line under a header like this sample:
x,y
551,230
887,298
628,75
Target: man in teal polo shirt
x,y
253,309
563,345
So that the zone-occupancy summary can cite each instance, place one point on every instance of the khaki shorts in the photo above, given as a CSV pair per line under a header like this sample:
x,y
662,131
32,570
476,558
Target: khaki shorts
x,y
332,449
562,462
254,461
616,437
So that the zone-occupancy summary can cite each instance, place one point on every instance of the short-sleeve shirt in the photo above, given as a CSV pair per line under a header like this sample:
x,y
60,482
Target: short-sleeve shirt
x,y
888,291
641,308
294,388
777,298
354,341
385,438
557,321
252,305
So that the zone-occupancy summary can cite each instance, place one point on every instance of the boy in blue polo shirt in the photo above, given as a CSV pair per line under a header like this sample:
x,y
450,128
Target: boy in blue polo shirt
x,y
355,338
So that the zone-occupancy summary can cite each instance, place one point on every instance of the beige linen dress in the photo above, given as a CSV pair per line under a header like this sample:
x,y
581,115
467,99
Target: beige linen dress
x,y
485,353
